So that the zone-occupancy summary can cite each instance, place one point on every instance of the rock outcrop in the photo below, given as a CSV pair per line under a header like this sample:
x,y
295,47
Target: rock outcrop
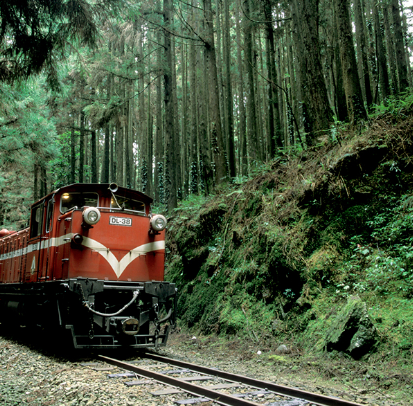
x,y
352,331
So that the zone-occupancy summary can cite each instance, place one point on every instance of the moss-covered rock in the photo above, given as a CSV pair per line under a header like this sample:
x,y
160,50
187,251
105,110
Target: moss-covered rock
x,y
352,331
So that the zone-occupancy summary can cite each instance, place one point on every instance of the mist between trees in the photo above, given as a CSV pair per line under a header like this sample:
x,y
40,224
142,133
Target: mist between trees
x,y
176,97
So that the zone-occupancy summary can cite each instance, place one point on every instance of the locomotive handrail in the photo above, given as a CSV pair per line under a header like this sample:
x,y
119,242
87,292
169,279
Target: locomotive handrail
x,y
113,209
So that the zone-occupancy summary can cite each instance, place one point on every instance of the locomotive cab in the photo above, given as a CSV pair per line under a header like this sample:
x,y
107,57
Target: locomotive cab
x,y
94,267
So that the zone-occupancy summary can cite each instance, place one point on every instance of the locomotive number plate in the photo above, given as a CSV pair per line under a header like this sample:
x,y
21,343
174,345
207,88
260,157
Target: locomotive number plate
x,y
120,221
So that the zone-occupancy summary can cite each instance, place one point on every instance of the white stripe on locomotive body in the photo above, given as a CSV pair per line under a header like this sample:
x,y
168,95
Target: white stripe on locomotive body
x,y
50,242
117,266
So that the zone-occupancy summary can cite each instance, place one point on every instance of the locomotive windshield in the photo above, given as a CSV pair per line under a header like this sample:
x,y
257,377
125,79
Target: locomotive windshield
x,y
71,200
127,204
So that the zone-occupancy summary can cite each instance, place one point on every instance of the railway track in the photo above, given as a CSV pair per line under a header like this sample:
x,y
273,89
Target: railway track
x,y
213,386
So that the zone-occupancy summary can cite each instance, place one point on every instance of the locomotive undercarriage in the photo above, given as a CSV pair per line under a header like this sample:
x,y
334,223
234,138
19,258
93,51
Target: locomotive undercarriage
x,y
94,313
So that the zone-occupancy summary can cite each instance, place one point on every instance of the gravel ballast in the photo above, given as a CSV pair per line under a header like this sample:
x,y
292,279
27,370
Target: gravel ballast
x,y
33,374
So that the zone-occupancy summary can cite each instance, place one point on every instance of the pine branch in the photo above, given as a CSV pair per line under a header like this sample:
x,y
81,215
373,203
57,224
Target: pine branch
x,y
181,17
169,31
8,123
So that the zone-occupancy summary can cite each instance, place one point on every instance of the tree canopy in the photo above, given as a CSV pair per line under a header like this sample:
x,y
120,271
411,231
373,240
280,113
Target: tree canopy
x,y
36,35
178,97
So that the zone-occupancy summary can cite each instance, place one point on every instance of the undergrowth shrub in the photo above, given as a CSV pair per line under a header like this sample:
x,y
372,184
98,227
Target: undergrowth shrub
x,y
383,261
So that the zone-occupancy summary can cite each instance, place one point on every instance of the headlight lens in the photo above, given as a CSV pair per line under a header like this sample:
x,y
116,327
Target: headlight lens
x,y
158,222
91,215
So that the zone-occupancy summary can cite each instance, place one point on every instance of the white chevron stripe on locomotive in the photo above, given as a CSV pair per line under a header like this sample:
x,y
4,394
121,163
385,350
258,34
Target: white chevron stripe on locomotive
x,y
119,266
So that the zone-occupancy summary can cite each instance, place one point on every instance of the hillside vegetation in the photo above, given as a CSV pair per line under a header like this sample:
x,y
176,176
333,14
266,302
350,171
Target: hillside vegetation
x,y
314,251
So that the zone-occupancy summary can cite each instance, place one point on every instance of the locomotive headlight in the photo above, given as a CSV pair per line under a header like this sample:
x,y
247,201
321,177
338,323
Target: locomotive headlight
x,y
158,222
91,215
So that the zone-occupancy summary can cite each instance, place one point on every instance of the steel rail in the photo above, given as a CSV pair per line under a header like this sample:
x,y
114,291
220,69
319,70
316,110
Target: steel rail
x,y
282,390
218,397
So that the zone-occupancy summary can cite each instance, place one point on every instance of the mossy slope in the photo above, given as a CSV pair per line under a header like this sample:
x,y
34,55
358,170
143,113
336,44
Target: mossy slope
x,y
276,256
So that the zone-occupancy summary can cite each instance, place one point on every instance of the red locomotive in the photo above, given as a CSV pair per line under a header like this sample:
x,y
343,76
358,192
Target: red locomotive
x,y
92,264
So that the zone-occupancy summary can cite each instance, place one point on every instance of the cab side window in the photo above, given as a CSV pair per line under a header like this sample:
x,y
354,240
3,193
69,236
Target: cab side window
x,y
36,220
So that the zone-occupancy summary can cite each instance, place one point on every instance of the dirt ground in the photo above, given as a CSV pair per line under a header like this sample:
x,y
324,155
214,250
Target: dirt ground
x,y
373,381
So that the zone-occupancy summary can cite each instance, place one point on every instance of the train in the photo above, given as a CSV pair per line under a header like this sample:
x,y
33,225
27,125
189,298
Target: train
x,y
90,268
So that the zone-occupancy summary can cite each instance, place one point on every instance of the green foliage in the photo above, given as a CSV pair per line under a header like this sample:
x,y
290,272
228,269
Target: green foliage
x,y
382,261
394,105
60,167
27,135
393,317
192,204
25,127
35,36
16,197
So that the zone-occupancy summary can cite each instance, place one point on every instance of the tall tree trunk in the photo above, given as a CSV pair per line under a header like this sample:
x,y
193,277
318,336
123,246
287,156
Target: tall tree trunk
x,y
274,130
119,154
176,132
213,89
149,136
193,161
36,182
316,109
369,7
399,46
131,133
387,52
184,132
253,147
288,62
406,41
340,95
93,146
381,56
159,143
228,94
354,98
73,153
206,179
170,178
106,156
112,164
243,161
220,71
82,145
258,100
125,133
43,180
142,132
362,52
112,173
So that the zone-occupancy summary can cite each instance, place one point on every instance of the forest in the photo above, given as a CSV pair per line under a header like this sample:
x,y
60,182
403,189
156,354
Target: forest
x,y
176,98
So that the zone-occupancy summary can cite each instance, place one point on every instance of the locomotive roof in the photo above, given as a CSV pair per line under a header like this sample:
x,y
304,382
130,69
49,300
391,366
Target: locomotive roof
x,y
96,187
